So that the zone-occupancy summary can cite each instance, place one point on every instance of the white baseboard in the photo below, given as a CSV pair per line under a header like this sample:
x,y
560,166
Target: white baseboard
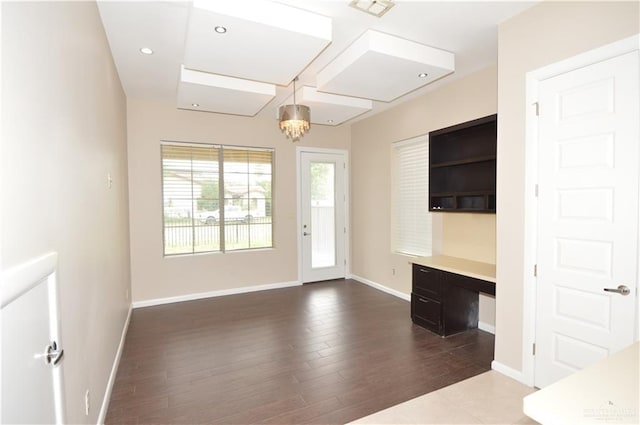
x,y
511,373
487,327
382,288
114,371
210,294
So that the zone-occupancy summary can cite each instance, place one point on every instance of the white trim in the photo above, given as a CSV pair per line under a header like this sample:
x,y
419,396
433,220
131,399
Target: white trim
x,y
511,373
533,79
483,326
617,48
530,232
212,294
19,279
347,238
114,370
382,288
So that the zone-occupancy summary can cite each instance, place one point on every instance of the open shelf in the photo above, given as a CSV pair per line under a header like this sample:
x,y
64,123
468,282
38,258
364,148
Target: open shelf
x,y
463,202
462,167
464,161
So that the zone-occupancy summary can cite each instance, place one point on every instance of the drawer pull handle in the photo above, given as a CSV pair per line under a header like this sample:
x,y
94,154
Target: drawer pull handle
x,y
425,270
422,300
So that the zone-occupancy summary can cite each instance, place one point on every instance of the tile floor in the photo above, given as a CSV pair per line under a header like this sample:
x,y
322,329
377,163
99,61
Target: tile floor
x,y
488,398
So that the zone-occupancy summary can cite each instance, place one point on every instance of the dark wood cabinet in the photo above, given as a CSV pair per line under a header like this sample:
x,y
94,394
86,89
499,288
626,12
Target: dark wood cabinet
x,y
462,167
446,303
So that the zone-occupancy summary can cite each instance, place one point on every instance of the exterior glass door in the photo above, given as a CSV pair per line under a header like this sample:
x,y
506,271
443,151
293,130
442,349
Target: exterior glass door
x,y
323,210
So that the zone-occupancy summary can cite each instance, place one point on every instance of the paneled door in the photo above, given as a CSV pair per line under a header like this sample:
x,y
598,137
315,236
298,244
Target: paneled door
x,y
322,204
587,253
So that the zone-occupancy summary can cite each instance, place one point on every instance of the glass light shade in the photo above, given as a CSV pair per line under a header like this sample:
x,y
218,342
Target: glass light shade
x,y
295,120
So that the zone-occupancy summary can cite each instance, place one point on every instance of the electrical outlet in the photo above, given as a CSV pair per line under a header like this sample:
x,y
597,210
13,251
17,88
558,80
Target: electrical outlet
x,y
393,272
109,181
126,294
87,402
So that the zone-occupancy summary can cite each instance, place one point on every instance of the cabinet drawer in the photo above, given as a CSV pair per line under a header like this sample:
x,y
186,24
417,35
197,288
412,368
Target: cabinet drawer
x,y
427,311
427,282
472,284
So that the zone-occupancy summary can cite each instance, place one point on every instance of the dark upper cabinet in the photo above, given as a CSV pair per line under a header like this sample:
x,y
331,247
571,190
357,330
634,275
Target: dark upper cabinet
x,y
462,167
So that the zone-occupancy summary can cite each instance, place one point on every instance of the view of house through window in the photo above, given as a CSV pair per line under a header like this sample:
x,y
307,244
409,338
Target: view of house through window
x,y
216,198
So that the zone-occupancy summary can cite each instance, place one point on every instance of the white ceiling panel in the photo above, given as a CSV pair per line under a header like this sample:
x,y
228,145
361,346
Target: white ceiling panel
x,y
159,26
330,109
201,91
384,67
275,41
264,41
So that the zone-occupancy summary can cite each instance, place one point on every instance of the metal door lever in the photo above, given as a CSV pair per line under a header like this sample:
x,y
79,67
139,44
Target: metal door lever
x,y
305,234
621,289
53,354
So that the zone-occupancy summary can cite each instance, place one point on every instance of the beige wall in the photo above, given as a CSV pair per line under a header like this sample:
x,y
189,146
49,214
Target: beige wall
x,y
470,236
544,34
154,276
63,131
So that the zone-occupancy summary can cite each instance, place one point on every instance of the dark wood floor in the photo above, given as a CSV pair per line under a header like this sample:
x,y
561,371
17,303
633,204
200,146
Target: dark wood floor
x,y
323,353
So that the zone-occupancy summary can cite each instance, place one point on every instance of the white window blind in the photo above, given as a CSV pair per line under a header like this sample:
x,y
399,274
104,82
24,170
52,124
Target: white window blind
x,y
411,219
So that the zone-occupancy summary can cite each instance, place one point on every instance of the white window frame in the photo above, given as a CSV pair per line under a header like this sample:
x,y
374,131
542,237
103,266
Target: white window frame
x,y
221,198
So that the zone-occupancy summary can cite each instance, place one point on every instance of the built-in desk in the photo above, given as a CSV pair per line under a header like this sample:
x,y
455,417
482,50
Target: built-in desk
x,y
444,296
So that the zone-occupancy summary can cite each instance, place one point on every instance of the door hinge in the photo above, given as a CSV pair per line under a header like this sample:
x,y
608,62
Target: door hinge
x,y
537,105
345,261
533,351
345,230
536,190
535,270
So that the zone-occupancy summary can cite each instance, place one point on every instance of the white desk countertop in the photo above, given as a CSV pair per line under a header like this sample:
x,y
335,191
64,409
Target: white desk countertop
x,y
476,269
607,392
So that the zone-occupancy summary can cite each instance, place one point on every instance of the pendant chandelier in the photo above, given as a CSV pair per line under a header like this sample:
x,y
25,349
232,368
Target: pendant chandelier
x,y
295,120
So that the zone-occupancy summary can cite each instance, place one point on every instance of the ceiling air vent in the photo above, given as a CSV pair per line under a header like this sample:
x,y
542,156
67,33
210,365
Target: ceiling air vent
x,y
372,7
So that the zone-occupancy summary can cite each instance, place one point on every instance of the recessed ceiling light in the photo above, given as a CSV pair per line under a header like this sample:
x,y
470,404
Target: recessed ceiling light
x,y
146,51
330,121
195,105
220,29
423,75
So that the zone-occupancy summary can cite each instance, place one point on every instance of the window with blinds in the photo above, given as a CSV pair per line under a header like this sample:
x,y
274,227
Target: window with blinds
x,y
216,198
411,219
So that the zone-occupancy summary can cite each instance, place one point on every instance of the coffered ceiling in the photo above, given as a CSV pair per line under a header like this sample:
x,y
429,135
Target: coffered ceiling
x,y
239,57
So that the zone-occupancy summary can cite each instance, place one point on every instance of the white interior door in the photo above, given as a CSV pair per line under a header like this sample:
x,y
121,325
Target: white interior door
x,y
322,204
31,364
587,216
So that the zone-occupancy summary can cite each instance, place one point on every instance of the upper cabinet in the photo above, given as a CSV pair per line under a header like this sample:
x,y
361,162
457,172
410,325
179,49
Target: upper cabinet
x,y
462,167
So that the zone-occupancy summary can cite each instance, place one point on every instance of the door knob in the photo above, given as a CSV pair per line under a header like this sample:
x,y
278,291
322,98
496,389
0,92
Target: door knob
x,y
621,289
52,354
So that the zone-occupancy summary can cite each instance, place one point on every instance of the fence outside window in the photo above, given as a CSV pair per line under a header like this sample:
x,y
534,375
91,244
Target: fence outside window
x,y
198,179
